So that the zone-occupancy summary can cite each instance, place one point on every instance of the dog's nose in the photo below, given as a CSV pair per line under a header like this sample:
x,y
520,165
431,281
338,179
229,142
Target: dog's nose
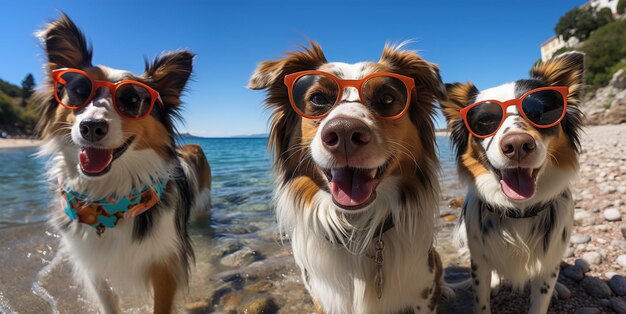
x,y
517,146
345,135
93,130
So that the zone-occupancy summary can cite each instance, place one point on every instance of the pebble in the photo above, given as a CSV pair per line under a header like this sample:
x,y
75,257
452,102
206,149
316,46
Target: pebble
x,y
579,239
596,287
619,243
562,291
610,274
456,202
259,305
618,305
240,258
604,302
583,264
583,218
618,285
623,229
621,189
587,310
593,258
621,260
612,214
573,272
569,252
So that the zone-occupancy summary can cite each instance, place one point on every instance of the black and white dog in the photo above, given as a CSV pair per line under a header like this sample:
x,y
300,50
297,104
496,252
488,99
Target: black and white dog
x,y
517,147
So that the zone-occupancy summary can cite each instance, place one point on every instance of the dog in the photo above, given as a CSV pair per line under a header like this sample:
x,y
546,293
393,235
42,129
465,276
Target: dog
x,y
124,190
517,148
356,173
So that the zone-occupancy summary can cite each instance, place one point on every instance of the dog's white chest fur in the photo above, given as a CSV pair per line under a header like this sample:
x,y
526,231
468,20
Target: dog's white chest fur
x,y
520,248
343,281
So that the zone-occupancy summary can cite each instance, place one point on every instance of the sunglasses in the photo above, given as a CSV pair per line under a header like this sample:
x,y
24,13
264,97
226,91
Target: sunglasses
x,y
74,89
543,107
314,93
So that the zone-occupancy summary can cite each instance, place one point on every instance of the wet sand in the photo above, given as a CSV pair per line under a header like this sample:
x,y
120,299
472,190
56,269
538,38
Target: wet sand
x,y
18,143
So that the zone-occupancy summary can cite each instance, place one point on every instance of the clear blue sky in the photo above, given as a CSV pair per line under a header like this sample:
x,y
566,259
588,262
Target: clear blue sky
x,y
487,42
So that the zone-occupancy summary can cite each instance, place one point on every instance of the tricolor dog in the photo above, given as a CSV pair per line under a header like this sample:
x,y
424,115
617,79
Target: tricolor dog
x,y
517,149
124,190
357,176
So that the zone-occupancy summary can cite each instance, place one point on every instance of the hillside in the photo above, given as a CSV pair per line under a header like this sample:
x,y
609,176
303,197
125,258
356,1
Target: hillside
x,y
604,101
17,117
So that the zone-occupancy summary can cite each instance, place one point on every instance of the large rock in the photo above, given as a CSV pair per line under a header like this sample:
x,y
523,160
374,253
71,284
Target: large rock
x,y
618,285
616,113
573,272
619,79
596,287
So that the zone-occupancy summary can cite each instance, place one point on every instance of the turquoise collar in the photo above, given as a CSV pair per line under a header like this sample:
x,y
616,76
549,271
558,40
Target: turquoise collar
x,y
106,212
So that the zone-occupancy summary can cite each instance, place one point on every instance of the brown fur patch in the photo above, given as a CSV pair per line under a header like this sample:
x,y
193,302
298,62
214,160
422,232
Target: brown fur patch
x,y
164,285
194,155
306,188
149,134
561,153
471,160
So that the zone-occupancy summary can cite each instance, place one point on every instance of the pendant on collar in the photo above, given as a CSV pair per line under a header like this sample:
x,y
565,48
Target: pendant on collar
x,y
106,212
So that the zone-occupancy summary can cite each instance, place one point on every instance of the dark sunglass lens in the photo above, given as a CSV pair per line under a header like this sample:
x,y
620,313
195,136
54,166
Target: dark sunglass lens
x,y
73,89
543,107
133,100
385,95
485,118
314,95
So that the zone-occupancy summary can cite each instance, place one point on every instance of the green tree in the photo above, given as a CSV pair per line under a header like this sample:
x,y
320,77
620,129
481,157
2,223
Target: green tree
x,y
28,86
621,5
580,23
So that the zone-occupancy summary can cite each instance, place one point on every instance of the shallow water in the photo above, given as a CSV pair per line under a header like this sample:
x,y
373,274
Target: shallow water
x,y
239,257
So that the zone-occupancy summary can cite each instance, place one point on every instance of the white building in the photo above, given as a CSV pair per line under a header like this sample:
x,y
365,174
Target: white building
x,y
550,46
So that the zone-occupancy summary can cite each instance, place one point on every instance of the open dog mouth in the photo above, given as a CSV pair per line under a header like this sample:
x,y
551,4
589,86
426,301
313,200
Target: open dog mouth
x,y
354,188
96,161
518,183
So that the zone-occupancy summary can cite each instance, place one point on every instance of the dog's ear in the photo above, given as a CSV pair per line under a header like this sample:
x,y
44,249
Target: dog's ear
x,y
426,75
563,70
169,74
271,73
460,95
65,45
269,76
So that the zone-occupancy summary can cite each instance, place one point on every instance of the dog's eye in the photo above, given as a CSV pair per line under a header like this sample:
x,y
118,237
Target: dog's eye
x,y
387,99
80,90
319,99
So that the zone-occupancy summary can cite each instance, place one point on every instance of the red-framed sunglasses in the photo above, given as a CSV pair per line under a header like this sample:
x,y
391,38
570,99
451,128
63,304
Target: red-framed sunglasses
x,y
313,94
74,88
543,107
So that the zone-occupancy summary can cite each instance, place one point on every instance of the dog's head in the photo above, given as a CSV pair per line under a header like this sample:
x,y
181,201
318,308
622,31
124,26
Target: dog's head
x,y
529,158
105,128
328,135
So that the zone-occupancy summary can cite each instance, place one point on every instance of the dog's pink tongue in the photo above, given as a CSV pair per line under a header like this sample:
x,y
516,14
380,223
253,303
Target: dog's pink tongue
x,y
350,187
95,160
518,184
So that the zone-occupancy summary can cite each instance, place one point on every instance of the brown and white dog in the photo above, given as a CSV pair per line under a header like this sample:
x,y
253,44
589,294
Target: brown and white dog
x,y
518,163
357,176
108,148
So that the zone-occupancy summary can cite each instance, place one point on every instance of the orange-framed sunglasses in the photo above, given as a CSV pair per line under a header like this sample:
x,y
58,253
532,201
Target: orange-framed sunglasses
x,y
74,88
313,94
543,107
